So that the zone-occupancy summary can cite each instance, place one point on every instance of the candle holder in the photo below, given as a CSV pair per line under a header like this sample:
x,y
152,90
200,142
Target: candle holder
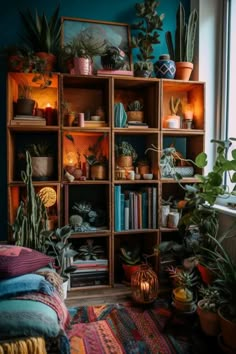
x,y
144,285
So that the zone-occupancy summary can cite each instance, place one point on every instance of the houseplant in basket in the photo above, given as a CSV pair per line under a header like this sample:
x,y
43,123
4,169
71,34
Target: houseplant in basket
x,y
207,309
185,35
135,111
146,35
97,159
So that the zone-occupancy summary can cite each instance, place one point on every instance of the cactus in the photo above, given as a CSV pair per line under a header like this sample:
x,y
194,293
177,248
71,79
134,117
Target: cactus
x,y
31,215
135,106
174,105
184,36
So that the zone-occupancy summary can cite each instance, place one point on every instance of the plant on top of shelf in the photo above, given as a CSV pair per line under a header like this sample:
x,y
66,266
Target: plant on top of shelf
x,y
146,35
185,35
41,34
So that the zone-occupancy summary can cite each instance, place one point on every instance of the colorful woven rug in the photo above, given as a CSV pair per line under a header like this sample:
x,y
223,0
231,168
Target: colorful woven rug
x,y
124,328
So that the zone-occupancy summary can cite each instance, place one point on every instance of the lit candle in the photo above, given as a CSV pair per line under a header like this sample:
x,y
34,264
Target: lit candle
x,y
49,114
145,288
188,111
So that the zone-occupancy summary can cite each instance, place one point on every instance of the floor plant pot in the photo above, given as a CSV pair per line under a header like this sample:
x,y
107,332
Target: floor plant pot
x,y
228,331
183,70
209,321
129,270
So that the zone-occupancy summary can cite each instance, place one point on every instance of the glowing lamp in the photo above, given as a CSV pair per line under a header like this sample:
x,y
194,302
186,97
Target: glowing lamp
x,y
144,285
188,111
71,158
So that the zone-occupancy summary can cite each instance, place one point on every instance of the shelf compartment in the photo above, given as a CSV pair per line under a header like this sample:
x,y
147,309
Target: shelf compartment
x,y
146,91
86,95
94,203
20,140
86,155
135,208
189,93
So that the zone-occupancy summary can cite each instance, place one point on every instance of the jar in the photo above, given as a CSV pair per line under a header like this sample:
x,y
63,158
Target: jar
x,y
173,122
165,67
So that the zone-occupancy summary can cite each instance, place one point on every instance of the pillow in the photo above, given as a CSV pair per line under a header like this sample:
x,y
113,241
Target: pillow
x,y
17,260
27,318
23,284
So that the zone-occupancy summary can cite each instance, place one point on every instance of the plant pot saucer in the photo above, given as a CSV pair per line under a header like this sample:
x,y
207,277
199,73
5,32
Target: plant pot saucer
x,y
223,346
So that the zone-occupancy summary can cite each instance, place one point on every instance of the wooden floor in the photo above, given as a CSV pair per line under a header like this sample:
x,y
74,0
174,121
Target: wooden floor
x,y
97,296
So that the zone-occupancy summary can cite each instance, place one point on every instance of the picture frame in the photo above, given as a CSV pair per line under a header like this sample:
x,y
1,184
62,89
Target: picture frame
x,y
115,33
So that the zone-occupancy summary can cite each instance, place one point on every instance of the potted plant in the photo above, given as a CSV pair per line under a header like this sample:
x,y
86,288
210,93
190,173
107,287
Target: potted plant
x,y
146,35
42,35
96,159
57,245
25,104
172,121
207,309
84,47
185,35
135,111
131,260
184,294
225,283
42,160
31,217
125,153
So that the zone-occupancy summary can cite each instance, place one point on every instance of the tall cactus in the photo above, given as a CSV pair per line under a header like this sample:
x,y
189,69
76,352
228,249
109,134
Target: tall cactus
x,y
31,217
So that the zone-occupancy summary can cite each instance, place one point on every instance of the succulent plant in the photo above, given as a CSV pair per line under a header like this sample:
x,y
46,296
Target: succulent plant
x,y
135,106
90,251
211,297
130,256
40,150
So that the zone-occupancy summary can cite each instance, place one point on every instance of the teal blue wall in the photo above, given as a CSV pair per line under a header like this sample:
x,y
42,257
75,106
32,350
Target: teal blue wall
x,y
106,10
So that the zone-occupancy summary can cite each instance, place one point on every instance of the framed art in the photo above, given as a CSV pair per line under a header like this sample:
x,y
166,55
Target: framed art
x,y
113,33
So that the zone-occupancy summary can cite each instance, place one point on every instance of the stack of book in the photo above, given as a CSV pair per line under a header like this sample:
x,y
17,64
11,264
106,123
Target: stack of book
x,y
135,209
28,120
89,272
134,125
95,123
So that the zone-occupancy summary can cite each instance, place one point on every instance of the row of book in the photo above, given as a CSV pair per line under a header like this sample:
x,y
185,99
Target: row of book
x,y
135,209
89,273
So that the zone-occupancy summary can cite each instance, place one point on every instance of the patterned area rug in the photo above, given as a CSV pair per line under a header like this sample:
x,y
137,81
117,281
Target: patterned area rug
x,y
124,328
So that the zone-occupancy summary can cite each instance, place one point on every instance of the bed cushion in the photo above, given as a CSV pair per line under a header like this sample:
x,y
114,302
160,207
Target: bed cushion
x,y
16,260
27,318
24,284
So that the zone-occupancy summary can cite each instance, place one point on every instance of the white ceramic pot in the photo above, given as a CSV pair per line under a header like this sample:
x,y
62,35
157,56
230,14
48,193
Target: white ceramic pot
x,y
42,167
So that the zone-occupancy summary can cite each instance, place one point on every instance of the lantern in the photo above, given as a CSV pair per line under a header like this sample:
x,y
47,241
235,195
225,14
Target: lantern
x,y
144,285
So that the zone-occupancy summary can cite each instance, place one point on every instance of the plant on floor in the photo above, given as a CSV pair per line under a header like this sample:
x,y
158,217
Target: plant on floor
x,y
31,217
146,34
58,246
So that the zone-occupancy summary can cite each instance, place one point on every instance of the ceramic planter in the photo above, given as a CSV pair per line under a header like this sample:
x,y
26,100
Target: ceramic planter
x,y
183,70
228,332
42,167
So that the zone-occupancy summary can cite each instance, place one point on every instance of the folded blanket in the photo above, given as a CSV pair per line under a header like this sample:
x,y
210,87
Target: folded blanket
x,y
28,345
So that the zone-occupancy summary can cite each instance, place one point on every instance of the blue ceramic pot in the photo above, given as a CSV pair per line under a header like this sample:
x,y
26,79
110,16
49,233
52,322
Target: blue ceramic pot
x,y
164,67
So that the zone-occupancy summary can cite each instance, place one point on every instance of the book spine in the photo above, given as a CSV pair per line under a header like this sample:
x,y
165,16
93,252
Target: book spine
x,y
149,195
154,207
135,214
144,210
140,222
117,208
127,214
122,211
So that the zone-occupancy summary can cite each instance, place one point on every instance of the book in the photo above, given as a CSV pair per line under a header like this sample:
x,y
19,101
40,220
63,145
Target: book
x,y
28,122
117,208
94,124
137,123
26,117
137,126
122,211
102,72
144,210
126,214
154,207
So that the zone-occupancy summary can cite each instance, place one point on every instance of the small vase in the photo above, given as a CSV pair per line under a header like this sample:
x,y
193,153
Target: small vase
x,y
165,67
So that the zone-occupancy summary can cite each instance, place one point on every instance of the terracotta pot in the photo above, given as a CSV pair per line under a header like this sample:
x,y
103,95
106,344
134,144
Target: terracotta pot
x,y
124,161
98,172
129,270
209,321
228,331
50,60
183,70
135,116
